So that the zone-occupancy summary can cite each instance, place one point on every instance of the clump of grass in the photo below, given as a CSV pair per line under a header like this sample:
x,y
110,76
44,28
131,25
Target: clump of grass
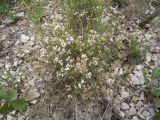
x,y
6,9
136,52
34,9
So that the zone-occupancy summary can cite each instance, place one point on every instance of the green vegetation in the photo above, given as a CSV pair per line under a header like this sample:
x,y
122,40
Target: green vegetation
x,y
136,54
6,8
11,102
34,9
80,55
155,92
8,95
83,15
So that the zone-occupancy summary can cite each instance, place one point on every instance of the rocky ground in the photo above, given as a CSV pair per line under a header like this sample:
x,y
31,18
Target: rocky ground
x,y
19,48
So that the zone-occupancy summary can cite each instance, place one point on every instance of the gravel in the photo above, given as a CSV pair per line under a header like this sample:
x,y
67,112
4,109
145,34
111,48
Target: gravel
x,y
20,43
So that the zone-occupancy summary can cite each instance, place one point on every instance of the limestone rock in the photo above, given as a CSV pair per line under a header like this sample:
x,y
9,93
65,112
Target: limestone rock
x,y
124,94
135,118
124,106
146,114
24,38
20,14
9,117
137,78
33,94
132,111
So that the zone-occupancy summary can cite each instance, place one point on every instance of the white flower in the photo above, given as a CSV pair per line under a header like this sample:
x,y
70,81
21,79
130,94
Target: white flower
x,y
79,85
82,81
60,62
56,59
63,44
68,58
68,65
95,61
69,96
84,56
89,75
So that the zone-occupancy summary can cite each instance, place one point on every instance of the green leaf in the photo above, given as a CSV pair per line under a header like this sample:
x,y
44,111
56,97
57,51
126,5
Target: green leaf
x,y
157,103
156,116
11,95
155,73
6,108
156,92
8,95
3,94
20,104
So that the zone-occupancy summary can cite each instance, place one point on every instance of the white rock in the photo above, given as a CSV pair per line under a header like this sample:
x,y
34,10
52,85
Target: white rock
x,y
2,26
117,109
24,38
1,116
122,114
142,117
20,14
154,57
146,114
132,104
13,112
141,96
139,67
148,57
135,118
42,91
1,65
7,65
9,117
124,106
7,21
32,82
132,111
33,94
148,37
152,111
139,104
3,37
34,101
15,63
21,118
138,78
124,94
140,110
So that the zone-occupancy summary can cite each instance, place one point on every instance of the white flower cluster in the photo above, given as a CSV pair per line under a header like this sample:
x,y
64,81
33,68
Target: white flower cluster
x,y
60,48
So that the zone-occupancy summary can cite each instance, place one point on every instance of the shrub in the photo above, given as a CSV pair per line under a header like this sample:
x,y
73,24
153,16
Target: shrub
x,y
79,49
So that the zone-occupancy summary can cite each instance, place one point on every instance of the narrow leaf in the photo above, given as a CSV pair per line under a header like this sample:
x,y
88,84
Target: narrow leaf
x,y
11,95
20,104
6,108
3,94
